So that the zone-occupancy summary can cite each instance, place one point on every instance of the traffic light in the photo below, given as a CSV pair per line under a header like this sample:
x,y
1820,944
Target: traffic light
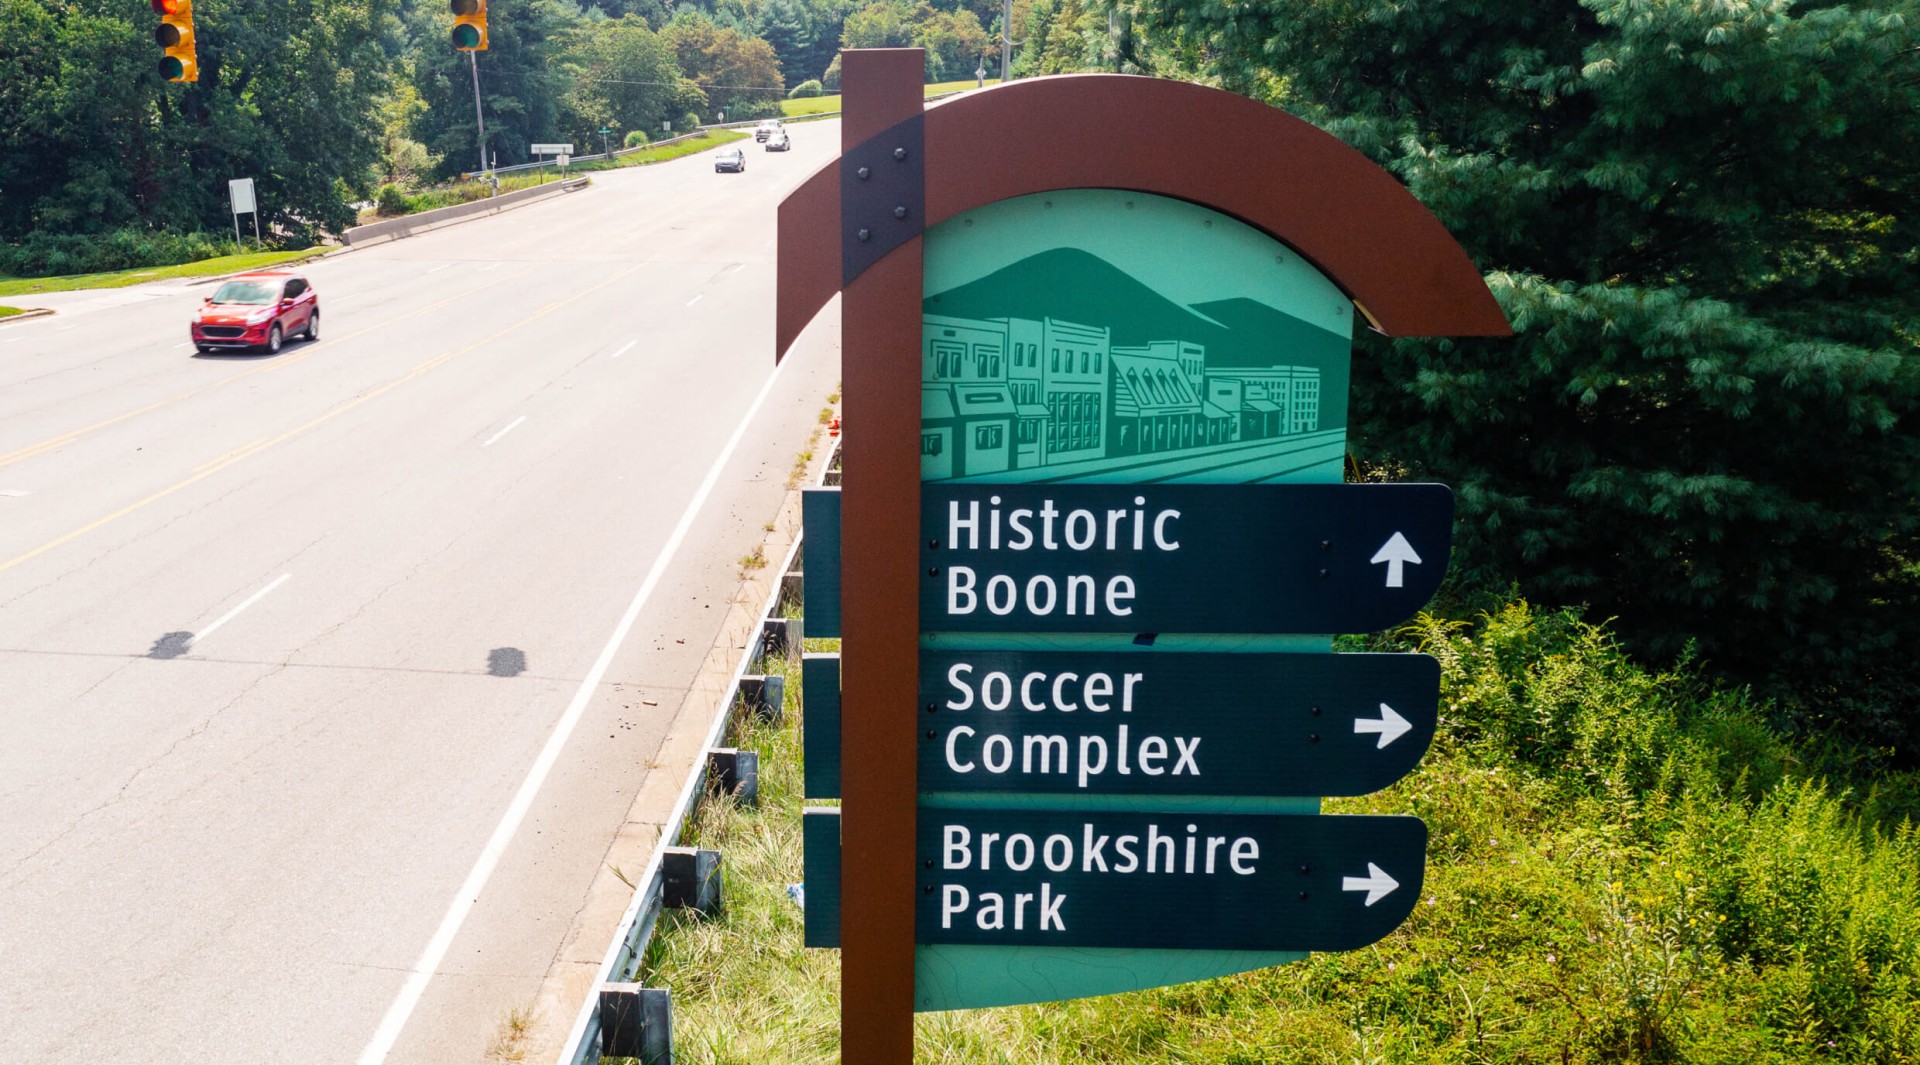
x,y
175,34
469,25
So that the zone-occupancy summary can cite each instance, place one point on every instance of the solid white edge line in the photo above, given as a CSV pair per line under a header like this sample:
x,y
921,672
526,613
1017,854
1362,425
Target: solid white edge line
x,y
511,426
695,300
463,901
235,612
624,348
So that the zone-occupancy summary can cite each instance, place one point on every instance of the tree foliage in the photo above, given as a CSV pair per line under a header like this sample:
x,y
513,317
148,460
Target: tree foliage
x,y
1700,218
92,140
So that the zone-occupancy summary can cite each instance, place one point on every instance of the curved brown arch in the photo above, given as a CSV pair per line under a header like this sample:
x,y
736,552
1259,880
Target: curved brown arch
x,y
1302,186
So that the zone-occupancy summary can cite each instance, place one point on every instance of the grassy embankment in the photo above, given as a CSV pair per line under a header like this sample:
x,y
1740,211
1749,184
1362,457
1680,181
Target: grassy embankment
x,y
814,105
8,312
225,264
1625,866
468,191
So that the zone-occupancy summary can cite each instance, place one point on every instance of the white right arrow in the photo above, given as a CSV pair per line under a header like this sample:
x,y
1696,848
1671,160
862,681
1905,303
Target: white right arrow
x,y
1389,725
1396,553
1377,884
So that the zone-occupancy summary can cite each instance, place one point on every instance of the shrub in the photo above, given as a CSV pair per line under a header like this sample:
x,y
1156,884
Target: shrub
x,y
806,89
389,200
51,255
688,123
635,138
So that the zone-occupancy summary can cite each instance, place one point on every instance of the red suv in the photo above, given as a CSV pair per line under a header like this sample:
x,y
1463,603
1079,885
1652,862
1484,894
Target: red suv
x,y
258,310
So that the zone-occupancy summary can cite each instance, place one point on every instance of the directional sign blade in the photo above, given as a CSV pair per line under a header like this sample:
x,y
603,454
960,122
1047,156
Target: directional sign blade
x,y
1153,880
1180,558
1168,723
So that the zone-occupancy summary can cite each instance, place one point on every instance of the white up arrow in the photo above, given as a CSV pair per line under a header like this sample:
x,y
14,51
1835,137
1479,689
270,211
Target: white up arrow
x,y
1389,725
1377,884
1396,553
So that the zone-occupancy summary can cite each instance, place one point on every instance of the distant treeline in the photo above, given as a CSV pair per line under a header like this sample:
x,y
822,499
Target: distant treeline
x,y
322,102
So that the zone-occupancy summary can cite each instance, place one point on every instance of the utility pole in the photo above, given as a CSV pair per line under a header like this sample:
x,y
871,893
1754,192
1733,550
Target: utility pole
x,y
479,120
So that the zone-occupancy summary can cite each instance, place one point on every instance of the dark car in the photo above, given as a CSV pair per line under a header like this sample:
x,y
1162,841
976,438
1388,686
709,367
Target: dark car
x,y
257,311
779,141
730,159
767,128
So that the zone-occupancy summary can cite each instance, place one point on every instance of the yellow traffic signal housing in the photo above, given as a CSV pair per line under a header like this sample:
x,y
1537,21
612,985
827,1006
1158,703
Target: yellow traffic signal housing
x,y
469,25
175,36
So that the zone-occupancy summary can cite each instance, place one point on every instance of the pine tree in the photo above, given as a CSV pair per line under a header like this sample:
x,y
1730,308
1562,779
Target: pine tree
x,y
1700,217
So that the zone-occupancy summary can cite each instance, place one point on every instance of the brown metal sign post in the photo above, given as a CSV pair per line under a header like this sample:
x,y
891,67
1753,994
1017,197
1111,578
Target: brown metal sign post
x,y
855,228
880,329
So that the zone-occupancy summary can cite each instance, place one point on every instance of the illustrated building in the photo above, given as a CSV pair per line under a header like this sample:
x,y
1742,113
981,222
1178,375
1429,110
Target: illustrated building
x,y
1016,393
1010,392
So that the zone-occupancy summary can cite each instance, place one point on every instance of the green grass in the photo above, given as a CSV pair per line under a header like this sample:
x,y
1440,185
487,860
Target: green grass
x,y
814,105
1625,865
8,312
225,264
468,191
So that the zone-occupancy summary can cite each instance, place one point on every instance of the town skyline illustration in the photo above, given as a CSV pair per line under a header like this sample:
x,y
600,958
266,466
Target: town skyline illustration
x,y
1062,366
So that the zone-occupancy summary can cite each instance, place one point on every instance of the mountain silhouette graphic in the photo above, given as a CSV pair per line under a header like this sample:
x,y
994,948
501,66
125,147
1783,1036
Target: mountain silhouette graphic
x,y
1077,286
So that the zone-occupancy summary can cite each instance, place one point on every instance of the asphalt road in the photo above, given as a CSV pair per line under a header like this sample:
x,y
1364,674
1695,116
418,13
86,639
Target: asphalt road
x,y
282,637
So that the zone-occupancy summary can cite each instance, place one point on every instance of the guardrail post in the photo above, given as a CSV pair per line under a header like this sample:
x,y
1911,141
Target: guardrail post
x,y
636,1022
781,636
690,878
737,773
792,588
766,696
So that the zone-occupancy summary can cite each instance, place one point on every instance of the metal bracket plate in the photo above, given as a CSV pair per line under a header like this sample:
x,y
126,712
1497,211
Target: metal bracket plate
x,y
883,196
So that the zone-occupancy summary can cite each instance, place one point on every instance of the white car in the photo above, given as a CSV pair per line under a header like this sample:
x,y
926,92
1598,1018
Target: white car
x,y
767,128
779,142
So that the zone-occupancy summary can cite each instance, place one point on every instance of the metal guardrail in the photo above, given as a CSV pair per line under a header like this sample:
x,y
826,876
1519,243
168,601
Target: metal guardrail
x,y
637,924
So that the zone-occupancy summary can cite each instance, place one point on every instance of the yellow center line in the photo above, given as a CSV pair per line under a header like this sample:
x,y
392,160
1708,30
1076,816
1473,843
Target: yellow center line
x,y
44,446
251,450
242,449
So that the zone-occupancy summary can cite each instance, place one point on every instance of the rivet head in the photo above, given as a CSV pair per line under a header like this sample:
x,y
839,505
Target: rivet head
x,y
928,890
1303,895
1326,545
1313,737
933,734
1305,869
866,234
899,153
933,545
864,172
1315,711
899,212
928,863
932,708
1324,574
933,571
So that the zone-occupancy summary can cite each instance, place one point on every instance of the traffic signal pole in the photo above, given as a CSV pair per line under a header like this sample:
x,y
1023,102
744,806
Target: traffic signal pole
x,y
479,120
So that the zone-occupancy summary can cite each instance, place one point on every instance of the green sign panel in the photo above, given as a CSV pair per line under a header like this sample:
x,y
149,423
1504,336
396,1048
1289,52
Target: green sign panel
x,y
1094,347
1115,723
1135,879
1180,558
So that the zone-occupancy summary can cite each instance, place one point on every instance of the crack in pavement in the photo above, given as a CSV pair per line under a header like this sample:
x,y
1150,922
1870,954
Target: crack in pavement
x,y
8,876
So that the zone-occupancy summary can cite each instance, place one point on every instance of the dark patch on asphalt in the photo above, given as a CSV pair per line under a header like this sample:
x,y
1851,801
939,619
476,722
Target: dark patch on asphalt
x,y
506,662
172,645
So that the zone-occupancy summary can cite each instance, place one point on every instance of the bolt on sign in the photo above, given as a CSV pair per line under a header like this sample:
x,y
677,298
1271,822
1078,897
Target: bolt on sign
x,y
1092,544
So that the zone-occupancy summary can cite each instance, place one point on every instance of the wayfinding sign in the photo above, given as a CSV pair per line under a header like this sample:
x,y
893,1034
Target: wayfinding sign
x,y
1165,880
551,149
1094,544
1180,557
1122,723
